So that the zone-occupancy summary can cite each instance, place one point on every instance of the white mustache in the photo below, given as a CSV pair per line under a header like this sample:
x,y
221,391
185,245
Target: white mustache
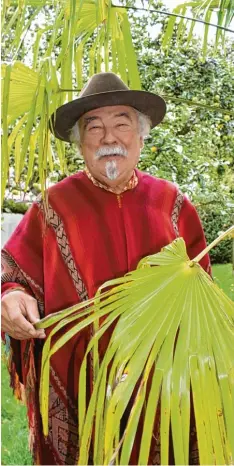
x,y
110,150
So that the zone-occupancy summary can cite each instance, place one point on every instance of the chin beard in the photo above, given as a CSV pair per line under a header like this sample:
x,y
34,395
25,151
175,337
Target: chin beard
x,y
112,171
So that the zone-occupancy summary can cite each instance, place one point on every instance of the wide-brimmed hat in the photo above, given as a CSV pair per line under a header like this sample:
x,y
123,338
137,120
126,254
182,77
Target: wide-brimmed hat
x,y
102,90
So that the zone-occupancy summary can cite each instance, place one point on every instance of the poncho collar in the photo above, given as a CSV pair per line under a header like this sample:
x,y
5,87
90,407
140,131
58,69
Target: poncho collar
x,y
132,183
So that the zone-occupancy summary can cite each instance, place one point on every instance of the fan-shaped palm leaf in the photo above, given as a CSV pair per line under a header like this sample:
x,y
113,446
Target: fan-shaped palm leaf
x,y
199,10
173,340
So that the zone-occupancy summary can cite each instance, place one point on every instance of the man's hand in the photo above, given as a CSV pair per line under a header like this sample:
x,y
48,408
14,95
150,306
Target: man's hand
x,y
19,312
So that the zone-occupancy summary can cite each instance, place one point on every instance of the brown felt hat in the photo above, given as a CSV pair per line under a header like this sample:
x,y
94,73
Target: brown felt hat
x,y
102,90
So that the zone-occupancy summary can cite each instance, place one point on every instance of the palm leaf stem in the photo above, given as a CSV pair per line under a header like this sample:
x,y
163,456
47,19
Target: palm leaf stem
x,y
225,234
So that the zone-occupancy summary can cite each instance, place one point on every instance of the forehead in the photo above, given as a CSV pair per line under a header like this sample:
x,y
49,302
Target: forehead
x,y
110,111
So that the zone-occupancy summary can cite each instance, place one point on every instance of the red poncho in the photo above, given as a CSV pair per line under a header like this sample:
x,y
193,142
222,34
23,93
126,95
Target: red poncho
x,y
93,236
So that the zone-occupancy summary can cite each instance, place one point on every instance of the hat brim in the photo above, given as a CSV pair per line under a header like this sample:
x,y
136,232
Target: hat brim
x,y
67,115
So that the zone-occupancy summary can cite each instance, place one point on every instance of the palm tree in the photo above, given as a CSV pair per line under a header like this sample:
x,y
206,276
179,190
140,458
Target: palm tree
x,y
172,342
65,37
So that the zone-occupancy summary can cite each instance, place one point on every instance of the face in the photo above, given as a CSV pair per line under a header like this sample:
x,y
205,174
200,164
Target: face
x,y
111,143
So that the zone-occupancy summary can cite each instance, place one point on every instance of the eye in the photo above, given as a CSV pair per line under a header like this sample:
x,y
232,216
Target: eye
x,y
94,128
123,127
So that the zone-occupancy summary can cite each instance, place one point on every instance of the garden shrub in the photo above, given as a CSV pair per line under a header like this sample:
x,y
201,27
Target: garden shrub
x,y
214,222
11,206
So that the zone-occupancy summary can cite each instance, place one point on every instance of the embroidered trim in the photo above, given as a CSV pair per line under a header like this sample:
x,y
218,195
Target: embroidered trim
x,y
56,223
14,273
62,388
63,431
132,183
10,271
176,212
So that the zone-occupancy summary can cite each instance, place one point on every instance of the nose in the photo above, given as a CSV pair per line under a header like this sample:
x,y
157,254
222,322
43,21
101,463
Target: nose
x,y
109,136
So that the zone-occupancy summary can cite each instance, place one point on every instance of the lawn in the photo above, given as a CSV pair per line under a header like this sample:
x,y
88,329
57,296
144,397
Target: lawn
x,y
222,274
14,425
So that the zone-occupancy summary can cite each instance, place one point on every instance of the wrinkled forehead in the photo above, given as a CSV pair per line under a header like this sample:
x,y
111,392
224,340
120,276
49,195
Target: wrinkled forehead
x,y
110,112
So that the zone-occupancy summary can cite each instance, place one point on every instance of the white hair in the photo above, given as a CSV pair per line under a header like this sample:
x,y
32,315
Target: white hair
x,y
144,123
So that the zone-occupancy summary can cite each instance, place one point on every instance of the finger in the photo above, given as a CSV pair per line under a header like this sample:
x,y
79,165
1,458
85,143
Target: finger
x,y
32,312
12,332
20,335
14,318
21,324
6,327
23,336
27,334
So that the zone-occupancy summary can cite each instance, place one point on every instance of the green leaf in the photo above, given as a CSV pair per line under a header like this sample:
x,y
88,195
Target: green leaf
x,y
170,27
172,341
30,121
18,157
133,74
107,34
10,24
205,39
36,48
24,82
31,157
5,106
12,136
121,54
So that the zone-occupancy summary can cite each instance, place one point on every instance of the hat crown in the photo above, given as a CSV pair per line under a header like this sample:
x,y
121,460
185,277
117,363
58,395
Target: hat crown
x,y
103,82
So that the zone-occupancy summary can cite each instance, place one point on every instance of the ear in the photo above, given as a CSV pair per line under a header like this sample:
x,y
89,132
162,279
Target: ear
x,y
79,147
141,142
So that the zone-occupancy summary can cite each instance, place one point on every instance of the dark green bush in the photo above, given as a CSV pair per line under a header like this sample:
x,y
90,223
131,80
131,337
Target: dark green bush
x,y
213,224
11,206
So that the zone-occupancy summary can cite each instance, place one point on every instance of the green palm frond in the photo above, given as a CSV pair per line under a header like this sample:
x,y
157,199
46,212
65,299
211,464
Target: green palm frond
x,y
199,10
36,91
172,342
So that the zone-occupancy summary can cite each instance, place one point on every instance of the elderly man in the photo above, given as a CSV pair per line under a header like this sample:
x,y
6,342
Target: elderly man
x,y
99,223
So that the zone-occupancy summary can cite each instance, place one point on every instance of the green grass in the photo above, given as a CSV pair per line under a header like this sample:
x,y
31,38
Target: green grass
x,y
14,419
223,276
14,425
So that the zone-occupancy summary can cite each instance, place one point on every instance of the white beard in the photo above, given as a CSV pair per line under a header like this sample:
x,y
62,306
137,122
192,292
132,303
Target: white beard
x,y
112,171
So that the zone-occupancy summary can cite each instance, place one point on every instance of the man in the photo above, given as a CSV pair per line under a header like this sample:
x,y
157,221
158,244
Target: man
x,y
99,224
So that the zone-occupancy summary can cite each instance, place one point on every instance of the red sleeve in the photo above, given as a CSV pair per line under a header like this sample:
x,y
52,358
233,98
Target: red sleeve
x,y
190,228
22,268
9,286
25,247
